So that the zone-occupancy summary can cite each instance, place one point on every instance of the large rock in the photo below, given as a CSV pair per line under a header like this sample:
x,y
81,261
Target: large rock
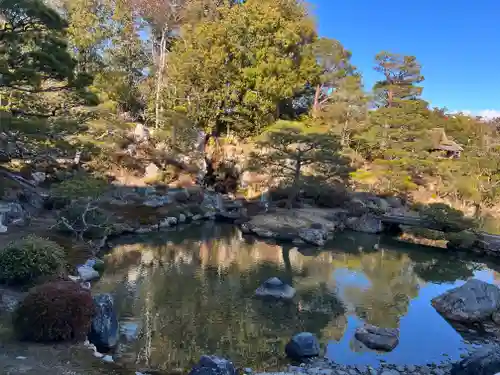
x,y
213,365
376,338
141,133
12,213
473,302
158,201
275,288
39,177
104,331
152,171
313,236
303,345
485,361
87,273
366,224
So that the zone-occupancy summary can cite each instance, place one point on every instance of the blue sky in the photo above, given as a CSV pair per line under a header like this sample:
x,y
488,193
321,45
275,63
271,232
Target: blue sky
x,y
457,43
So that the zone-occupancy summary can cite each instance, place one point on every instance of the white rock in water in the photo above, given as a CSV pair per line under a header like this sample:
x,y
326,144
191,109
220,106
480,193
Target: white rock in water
x,y
20,357
107,358
87,273
39,177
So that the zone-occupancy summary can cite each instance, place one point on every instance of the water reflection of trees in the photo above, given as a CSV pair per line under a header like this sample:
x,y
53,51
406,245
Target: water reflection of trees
x,y
392,284
193,288
196,296
438,266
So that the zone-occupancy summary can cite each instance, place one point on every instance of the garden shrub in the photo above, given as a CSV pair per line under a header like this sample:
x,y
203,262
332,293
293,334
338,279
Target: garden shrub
x,y
84,219
446,217
279,193
26,260
80,186
325,195
55,311
429,234
464,240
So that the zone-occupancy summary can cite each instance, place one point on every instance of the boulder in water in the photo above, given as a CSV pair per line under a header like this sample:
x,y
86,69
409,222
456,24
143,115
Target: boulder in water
x,y
473,302
213,365
275,288
313,236
365,224
104,331
485,361
303,345
376,338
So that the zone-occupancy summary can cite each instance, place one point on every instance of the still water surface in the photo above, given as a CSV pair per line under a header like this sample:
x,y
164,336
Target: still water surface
x,y
189,292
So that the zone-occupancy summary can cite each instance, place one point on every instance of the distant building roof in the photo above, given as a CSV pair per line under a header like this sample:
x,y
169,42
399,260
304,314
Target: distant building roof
x,y
441,142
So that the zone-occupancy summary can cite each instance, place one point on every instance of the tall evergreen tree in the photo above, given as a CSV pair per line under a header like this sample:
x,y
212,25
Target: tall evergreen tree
x,y
235,72
33,47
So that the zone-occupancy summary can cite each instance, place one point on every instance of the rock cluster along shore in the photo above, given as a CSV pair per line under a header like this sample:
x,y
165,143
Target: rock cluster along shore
x,y
325,367
213,365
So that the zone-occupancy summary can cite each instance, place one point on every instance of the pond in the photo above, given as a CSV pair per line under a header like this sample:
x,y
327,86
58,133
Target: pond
x,y
190,292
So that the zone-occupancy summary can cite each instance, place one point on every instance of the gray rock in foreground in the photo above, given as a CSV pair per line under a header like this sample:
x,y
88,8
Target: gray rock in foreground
x,y
475,301
303,345
485,361
275,288
104,331
213,365
376,338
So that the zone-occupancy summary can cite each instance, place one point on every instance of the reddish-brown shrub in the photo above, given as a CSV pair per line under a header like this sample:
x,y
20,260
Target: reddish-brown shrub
x,y
55,311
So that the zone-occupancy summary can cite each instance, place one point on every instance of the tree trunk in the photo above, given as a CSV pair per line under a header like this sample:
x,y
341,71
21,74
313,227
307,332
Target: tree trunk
x,y
389,98
344,137
159,76
295,185
477,210
315,109
285,251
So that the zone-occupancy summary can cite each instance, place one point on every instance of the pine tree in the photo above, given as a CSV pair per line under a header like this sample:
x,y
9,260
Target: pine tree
x,y
33,47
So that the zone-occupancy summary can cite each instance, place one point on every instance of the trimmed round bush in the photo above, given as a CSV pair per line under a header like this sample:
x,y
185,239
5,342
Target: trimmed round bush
x,y
55,311
30,258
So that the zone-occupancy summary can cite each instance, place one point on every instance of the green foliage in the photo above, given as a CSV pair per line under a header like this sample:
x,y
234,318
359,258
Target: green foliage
x,y
80,186
464,240
447,218
293,154
401,74
430,234
32,44
325,195
239,67
265,49
24,261
55,311
84,219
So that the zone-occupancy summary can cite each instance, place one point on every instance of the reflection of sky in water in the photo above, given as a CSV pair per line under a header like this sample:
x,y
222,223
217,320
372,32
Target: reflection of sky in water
x,y
204,274
424,335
